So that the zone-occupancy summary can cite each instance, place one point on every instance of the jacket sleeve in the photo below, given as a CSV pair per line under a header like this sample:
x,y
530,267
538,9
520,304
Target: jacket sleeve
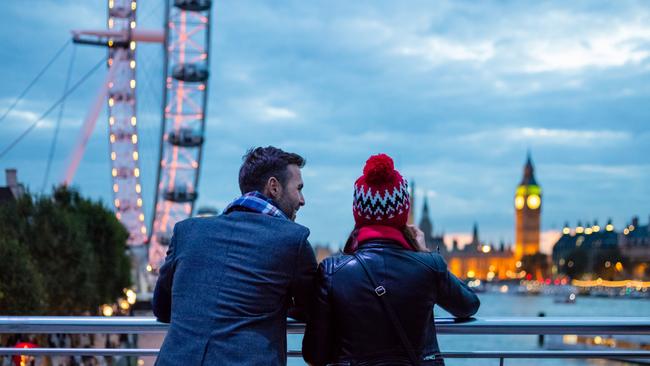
x,y
318,341
162,294
302,286
455,296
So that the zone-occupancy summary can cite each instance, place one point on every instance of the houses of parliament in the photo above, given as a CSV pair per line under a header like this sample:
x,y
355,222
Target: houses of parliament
x,y
487,262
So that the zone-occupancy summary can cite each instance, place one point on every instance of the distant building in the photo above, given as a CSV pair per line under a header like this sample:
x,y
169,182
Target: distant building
x,y
13,190
635,247
528,207
433,242
485,261
481,260
586,249
322,252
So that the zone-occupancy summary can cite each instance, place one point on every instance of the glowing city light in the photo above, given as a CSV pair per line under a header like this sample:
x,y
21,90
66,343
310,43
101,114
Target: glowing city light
x,y
124,305
131,296
107,310
533,201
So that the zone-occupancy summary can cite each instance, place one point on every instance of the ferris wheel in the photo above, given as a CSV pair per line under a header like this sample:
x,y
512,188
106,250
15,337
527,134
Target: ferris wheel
x,y
186,41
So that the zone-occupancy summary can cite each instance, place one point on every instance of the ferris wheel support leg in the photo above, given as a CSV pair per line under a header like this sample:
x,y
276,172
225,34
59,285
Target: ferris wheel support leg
x,y
87,129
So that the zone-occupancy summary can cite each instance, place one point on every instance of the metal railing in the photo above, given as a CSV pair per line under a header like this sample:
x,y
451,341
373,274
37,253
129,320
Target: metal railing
x,y
515,326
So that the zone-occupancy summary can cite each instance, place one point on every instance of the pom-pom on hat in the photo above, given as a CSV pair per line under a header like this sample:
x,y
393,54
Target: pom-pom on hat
x,y
381,194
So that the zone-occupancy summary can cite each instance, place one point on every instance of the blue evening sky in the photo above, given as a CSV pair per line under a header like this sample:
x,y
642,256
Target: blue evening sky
x,y
455,91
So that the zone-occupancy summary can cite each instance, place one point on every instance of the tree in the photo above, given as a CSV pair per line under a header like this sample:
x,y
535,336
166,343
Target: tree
x,y
76,248
21,284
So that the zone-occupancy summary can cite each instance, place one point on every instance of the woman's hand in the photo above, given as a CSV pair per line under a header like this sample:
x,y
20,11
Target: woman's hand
x,y
418,237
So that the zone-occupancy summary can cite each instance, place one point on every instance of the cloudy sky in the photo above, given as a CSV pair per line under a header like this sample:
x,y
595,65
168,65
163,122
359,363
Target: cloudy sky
x,y
455,91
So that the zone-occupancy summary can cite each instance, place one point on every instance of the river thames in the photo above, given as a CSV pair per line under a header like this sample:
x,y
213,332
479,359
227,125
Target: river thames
x,y
510,305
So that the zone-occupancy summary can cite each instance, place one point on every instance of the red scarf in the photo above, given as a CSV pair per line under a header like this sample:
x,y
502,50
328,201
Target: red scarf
x,y
369,232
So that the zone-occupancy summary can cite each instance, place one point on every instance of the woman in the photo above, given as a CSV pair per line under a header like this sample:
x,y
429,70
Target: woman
x,y
374,304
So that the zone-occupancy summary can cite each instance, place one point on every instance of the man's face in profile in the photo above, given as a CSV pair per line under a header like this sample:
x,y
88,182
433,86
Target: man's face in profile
x,y
290,198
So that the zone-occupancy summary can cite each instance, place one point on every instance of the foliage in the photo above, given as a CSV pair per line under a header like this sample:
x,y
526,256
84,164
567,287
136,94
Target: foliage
x,y
21,284
70,249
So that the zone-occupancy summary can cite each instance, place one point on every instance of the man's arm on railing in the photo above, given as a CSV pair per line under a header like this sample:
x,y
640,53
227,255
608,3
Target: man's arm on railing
x,y
318,340
302,285
162,294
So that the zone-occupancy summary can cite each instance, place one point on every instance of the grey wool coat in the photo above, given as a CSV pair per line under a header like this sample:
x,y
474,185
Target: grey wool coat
x,y
226,287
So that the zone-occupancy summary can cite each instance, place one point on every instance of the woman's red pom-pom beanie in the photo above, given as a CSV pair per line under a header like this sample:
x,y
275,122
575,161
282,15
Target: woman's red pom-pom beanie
x,y
381,195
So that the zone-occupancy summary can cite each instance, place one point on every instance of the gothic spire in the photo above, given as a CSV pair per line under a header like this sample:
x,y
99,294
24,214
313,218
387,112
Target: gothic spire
x,y
529,172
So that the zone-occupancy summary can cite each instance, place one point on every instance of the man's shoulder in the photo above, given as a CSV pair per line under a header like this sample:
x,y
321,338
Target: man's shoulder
x,y
274,223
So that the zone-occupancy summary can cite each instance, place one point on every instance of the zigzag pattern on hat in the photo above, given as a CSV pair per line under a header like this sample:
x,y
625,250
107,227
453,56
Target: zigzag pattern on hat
x,y
378,206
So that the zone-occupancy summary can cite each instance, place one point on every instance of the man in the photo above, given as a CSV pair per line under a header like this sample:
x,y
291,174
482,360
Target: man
x,y
228,281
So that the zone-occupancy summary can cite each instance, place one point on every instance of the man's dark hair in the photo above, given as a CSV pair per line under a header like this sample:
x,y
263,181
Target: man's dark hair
x,y
262,163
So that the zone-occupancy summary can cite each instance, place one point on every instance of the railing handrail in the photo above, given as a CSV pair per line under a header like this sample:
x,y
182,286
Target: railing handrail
x,y
450,354
488,325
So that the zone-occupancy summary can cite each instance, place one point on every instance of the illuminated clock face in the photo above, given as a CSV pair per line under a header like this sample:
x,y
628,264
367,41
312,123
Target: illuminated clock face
x,y
519,202
533,201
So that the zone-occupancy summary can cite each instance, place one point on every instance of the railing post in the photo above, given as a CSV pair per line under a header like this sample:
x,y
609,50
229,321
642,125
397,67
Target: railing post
x,y
501,360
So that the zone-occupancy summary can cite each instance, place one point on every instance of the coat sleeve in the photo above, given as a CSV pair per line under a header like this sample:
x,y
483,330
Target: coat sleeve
x,y
302,285
455,296
162,295
318,342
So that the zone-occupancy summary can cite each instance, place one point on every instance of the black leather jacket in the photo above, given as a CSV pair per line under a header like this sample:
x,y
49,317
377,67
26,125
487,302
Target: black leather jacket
x,y
348,323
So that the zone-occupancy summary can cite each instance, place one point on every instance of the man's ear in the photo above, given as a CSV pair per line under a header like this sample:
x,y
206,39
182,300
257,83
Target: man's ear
x,y
273,187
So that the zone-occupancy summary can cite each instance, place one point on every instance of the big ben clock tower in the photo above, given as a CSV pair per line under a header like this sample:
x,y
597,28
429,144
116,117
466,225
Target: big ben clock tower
x,y
528,206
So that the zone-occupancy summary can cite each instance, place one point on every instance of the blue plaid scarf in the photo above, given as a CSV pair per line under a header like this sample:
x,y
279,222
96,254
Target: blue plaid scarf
x,y
256,202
